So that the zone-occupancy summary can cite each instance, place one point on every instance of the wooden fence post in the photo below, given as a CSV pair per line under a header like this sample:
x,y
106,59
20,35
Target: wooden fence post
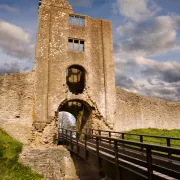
x,y
149,162
77,142
85,144
116,160
66,138
97,150
123,139
169,145
63,136
99,134
92,133
71,140
110,137
141,140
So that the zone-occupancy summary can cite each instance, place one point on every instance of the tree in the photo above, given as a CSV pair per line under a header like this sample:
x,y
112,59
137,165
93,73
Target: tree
x,y
66,120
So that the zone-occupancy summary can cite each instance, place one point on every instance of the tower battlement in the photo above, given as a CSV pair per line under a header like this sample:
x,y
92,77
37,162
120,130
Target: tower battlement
x,y
55,3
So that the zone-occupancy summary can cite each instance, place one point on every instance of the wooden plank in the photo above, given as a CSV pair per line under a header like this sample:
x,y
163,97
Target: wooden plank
x,y
166,171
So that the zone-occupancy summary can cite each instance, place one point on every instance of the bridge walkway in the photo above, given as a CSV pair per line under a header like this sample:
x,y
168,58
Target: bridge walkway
x,y
124,159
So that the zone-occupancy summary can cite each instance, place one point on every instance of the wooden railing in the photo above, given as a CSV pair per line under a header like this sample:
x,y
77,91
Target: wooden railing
x,y
147,161
137,137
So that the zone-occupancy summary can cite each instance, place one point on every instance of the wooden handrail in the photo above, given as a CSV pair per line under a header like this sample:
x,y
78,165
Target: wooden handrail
x,y
113,147
145,135
139,144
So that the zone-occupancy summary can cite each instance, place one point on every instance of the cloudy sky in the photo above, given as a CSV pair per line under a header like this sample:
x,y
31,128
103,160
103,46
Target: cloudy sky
x,y
146,37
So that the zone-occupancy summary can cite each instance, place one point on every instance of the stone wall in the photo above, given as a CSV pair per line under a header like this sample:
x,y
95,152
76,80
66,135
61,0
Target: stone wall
x,y
16,103
54,163
133,111
136,111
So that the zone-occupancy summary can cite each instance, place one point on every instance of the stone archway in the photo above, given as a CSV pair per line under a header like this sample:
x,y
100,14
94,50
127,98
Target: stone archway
x,y
80,109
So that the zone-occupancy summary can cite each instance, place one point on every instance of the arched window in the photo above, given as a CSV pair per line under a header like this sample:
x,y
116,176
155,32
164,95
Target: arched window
x,y
75,78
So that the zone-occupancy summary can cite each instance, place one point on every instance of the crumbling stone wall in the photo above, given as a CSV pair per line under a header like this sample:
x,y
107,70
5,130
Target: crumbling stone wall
x,y
54,163
136,111
16,105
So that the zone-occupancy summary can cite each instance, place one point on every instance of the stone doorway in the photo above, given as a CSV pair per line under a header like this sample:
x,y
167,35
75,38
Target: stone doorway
x,y
81,111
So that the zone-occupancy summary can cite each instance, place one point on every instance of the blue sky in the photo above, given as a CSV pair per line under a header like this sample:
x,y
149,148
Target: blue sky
x,y
146,37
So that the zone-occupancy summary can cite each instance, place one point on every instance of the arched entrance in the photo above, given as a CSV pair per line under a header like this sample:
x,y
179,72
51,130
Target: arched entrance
x,y
80,109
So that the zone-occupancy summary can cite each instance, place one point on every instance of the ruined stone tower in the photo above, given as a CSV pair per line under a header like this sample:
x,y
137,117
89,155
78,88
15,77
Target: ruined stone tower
x,y
74,69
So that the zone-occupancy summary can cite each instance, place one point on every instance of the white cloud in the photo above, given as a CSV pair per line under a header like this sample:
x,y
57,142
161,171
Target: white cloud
x,y
137,9
15,41
149,37
149,77
9,8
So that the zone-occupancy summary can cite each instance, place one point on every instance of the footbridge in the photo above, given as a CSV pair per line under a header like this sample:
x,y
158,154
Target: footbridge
x,y
122,159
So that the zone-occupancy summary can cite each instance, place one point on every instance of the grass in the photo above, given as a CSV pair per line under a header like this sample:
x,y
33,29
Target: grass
x,y
156,132
10,169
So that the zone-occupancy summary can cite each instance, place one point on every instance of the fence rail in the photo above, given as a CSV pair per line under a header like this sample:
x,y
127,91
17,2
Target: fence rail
x,y
145,160
136,137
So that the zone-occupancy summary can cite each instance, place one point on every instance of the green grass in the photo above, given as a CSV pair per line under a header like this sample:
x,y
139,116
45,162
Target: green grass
x,y
156,132
10,169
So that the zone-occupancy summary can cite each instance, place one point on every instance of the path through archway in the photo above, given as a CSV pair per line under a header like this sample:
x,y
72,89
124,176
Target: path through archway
x,y
80,109
66,120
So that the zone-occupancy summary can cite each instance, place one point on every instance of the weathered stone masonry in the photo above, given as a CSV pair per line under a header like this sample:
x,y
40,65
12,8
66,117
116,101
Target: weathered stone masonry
x,y
16,105
135,111
53,59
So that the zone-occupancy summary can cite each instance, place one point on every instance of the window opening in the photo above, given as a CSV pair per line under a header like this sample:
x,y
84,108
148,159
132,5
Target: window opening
x,y
76,20
81,48
70,45
76,45
71,19
75,77
82,21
